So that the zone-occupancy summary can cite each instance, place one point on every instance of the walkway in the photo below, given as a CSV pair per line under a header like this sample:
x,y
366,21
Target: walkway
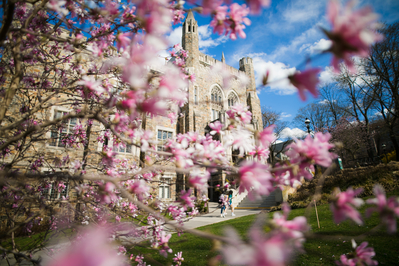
x,y
206,219
214,216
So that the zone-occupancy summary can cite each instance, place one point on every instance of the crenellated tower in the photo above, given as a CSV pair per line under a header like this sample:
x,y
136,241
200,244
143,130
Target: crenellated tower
x,y
253,101
190,39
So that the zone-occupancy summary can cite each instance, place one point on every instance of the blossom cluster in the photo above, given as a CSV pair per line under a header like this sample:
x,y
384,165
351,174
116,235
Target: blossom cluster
x,y
101,60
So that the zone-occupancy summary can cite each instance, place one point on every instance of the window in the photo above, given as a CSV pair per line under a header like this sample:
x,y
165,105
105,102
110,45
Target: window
x,y
118,146
215,114
52,192
163,136
122,148
216,103
164,188
216,95
232,99
60,134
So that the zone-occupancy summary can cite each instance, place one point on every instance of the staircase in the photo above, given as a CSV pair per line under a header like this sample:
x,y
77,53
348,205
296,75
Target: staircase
x,y
265,202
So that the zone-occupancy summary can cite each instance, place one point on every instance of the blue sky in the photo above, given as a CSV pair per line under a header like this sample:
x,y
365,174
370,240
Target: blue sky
x,y
279,40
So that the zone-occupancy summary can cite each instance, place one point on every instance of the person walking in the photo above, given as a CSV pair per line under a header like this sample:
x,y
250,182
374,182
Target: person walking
x,y
230,201
224,203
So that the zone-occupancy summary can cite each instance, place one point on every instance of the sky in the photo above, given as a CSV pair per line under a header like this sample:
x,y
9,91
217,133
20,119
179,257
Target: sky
x,y
279,40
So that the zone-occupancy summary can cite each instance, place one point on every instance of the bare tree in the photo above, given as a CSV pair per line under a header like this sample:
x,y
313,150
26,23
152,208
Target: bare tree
x,y
360,98
317,113
382,68
271,117
332,96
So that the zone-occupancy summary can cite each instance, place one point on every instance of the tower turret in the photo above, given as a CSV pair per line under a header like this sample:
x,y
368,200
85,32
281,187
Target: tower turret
x,y
253,101
190,39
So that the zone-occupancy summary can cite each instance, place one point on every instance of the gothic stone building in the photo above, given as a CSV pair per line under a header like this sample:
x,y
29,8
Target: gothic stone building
x,y
208,100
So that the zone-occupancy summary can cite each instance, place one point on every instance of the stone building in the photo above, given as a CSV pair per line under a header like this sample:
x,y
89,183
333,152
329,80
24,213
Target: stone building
x,y
208,98
208,101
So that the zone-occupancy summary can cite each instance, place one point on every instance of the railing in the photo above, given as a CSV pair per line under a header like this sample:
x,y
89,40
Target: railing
x,y
238,197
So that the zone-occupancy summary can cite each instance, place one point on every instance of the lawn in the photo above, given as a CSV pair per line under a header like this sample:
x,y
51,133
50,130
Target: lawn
x,y
328,243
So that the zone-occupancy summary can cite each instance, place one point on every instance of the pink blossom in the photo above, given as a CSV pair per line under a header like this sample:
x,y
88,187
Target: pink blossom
x,y
154,106
237,20
163,244
239,113
178,15
218,23
178,259
343,206
262,249
92,84
240,139
291,229
91,249
123,40
208,6
108,158
361,256
387,209
216,128
187,199
220,69
140,189
256,5
267,136
107,193
256,179
306,81
260,153
314,149
173,86
173,117
353,32
199,179
111,7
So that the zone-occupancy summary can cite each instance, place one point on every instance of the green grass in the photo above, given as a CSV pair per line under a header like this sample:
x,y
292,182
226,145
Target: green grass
x,y
24,243
329,241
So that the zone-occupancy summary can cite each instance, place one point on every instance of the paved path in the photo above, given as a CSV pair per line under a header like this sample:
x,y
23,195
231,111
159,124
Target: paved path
x,y
206,219
214,216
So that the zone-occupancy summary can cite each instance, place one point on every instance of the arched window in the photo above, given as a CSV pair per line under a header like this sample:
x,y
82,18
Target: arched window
x,y
216,102
216,95
232,99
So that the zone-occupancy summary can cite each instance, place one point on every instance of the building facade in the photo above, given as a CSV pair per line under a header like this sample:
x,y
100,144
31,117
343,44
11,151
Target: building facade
x,y
208,98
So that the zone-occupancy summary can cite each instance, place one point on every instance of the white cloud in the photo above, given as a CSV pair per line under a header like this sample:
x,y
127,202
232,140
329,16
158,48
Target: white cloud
x,y
292,133
316,47
205,37
326,76
285,115
296,44
291,15
302,11
175,36
278,73
325,101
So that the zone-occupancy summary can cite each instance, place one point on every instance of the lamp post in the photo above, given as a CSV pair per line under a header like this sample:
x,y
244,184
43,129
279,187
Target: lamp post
x,y
384,149
307,123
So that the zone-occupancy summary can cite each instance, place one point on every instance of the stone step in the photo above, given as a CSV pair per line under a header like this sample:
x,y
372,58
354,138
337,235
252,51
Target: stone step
x,y
264,203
